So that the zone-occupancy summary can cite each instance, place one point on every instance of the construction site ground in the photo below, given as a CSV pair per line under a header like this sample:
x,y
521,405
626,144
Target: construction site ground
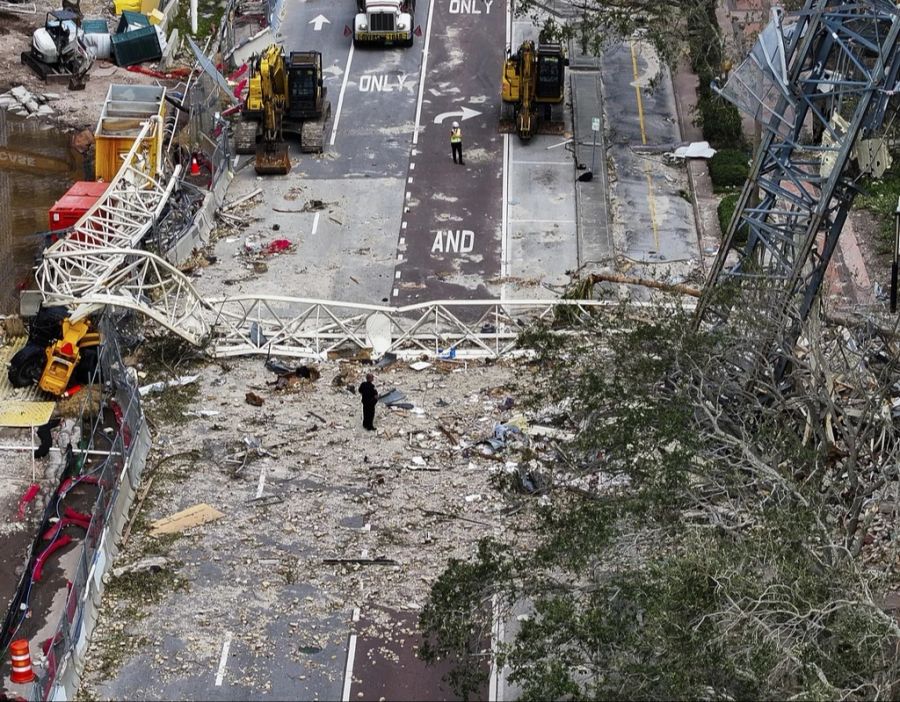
x,y
73,108
298,480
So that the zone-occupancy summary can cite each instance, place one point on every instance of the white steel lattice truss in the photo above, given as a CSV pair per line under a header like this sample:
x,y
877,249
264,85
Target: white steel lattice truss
x,y
84,262
315,328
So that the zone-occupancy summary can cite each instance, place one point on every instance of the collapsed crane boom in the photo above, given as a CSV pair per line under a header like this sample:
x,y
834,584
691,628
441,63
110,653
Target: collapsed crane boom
x,y
817,84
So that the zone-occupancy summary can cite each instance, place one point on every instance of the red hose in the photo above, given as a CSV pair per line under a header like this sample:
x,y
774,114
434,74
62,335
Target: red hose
x,y
26,498
62,542
239,72
180,72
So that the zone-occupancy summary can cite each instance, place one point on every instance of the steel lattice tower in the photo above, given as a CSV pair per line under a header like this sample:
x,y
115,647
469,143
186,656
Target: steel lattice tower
x,y
818,80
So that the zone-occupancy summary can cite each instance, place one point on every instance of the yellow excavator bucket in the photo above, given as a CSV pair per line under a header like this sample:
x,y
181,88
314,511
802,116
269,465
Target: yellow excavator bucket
x,y
272,159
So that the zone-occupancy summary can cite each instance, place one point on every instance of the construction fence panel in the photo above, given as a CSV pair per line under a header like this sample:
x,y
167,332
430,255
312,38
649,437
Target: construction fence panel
x,y
117,480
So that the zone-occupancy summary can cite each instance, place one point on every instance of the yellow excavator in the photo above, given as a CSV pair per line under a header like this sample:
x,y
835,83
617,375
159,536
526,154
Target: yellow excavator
x,y
285,95
533,86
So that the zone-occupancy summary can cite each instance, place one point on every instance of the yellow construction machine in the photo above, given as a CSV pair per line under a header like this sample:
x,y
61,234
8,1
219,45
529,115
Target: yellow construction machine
x,y
58,353
533,86
64,356
285,94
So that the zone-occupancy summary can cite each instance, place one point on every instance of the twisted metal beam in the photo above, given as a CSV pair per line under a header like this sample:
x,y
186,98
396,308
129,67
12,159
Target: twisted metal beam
x,y
81,264
817,84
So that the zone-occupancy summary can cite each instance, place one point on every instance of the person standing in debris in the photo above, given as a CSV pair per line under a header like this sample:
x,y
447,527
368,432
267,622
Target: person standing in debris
x,y
369,399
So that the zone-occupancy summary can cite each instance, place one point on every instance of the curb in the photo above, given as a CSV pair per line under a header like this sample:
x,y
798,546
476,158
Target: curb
x,y
698,220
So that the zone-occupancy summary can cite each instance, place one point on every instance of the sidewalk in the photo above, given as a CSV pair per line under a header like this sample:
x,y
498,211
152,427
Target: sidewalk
x,y
705,202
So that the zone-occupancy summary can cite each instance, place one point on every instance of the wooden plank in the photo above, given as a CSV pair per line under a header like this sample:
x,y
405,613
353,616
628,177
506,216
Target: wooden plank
x,y
185,519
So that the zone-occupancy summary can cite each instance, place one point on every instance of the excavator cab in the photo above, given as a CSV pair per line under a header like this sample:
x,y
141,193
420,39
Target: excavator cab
x,y
305,84
551,75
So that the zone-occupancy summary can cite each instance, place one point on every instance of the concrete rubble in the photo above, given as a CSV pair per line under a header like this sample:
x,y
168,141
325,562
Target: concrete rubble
x,y
25,103
313,504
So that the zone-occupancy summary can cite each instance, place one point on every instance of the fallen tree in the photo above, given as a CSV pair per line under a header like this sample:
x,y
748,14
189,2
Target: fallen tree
x,y
729,536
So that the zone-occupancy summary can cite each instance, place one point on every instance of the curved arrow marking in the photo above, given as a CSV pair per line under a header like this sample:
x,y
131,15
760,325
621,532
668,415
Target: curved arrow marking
x,y
464,114
318,21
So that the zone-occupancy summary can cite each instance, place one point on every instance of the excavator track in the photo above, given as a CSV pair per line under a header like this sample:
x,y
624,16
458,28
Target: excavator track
x,y
312,133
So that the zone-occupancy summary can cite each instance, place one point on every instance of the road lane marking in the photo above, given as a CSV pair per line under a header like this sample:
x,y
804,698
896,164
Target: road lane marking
x,y
422,73
463,113
541,221
262,482
567,164
223,659
651,203
337,112
509,24
504,218
505,176
496,640
637,92
351,655
318,21
315,223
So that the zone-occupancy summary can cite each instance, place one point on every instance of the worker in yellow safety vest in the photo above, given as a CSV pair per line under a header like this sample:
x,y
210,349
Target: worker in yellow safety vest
x,y
456,143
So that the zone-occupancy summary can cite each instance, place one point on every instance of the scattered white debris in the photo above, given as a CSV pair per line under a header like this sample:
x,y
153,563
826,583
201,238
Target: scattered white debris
x,y
696,149
163,384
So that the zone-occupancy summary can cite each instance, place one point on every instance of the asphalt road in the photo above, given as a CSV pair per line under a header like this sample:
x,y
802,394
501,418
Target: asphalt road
x,y
641,119
449,245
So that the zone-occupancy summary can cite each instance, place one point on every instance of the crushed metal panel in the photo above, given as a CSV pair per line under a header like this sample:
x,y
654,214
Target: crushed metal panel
x,y
210,69
254,45
19,413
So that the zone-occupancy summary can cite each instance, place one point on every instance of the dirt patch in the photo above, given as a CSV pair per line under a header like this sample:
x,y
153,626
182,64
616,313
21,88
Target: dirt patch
x,y
876,258
74,109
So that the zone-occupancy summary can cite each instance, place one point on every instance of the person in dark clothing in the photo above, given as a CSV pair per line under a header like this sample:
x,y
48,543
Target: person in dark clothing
x,y
369,399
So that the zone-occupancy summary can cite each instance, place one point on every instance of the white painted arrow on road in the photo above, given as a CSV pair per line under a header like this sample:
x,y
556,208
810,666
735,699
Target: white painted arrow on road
x,y
317,22
463,114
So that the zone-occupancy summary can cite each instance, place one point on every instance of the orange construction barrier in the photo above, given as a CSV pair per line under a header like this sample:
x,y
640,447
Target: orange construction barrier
x,y
20,655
